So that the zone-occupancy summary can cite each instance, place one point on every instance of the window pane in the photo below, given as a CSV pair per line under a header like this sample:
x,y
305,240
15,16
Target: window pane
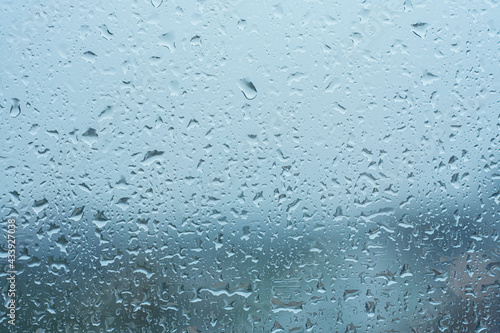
x,y
251,166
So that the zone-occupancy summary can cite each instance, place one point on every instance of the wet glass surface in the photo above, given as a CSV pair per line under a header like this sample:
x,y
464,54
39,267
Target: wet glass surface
x,y
251,166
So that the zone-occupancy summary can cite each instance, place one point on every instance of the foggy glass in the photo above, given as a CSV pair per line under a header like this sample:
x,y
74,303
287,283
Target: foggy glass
x,y
251,166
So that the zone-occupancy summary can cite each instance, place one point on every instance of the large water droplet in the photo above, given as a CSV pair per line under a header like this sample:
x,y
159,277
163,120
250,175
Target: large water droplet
x,y
247,88
156,3
15,109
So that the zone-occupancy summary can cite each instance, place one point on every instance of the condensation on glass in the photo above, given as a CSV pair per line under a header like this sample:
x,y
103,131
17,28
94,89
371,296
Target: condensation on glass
x,y
252,166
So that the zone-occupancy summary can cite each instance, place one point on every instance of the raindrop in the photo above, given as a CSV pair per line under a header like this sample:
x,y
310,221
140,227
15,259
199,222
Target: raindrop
x,y
77,213
89,56
247,88
156,3
15,109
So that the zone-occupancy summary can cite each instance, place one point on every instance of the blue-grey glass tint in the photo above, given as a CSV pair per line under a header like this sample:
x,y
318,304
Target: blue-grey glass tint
x,y
251,166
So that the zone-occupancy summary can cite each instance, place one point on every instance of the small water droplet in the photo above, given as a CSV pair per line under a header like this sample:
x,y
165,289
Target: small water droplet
x,y
89,56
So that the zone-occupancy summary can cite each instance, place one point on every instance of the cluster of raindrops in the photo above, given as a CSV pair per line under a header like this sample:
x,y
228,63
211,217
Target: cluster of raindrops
x,y
252,166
